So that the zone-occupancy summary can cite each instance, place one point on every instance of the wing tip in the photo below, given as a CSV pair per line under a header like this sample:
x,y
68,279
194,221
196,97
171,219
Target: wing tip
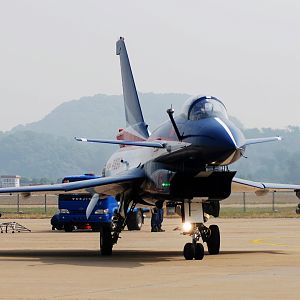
x,y
80,139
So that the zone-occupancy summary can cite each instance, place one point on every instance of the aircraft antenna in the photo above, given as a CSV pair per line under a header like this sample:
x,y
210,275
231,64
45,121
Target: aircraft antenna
x,y
170,112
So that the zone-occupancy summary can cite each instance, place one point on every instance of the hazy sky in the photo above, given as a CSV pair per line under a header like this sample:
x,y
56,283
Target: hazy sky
x,y
247,53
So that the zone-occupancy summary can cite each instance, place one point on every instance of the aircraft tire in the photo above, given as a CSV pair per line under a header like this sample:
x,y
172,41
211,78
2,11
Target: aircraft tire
x,y
135,220
68,227
106,243
96,228
188,251
199,251
213,242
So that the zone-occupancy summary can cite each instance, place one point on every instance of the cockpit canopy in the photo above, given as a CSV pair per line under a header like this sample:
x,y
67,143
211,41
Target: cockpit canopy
x,y
201,107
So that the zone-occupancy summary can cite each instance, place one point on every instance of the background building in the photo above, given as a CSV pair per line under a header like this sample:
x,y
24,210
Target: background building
x,y
10,181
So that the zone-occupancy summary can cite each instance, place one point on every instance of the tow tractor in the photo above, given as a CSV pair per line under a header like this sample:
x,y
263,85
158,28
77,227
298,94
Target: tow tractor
x,y
71,213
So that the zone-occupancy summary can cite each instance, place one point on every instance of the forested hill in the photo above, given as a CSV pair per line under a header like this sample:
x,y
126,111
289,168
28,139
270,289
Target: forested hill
x,y
47,149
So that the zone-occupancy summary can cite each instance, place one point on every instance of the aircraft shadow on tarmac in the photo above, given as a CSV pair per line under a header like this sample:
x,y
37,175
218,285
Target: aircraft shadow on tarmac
x,y
120,258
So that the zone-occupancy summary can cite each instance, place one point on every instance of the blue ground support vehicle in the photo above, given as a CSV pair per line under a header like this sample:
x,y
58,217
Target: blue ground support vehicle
x,y
72,208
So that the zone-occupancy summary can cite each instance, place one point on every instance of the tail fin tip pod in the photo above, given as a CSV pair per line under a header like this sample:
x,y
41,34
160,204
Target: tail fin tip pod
x,y
119,45
133,112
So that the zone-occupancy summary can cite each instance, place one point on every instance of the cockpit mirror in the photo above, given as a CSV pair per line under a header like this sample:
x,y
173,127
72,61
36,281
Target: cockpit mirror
x,y
208,106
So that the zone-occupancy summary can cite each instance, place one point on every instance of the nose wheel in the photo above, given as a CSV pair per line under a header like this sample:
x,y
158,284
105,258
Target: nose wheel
x,y
193,251
199,251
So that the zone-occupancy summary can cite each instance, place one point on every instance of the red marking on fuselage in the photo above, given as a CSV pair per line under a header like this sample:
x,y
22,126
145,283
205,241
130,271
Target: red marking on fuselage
x,y
124,135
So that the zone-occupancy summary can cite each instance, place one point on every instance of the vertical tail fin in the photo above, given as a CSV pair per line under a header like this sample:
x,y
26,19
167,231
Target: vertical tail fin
x,y
133,112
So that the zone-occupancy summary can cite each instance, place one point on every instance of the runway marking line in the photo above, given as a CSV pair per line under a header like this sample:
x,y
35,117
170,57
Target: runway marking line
x,y
270,243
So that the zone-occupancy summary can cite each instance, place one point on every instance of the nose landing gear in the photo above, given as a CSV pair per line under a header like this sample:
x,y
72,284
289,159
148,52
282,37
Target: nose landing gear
x,y
210,235
193,213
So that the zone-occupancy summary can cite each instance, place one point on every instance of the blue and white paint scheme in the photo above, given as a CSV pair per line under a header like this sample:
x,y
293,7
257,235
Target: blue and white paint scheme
x,y
183,162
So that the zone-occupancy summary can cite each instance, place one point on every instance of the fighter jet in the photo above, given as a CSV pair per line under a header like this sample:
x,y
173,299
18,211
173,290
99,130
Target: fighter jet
x,y
184,162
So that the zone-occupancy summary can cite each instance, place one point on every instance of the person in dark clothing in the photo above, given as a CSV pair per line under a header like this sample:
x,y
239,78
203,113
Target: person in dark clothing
x,y
157,219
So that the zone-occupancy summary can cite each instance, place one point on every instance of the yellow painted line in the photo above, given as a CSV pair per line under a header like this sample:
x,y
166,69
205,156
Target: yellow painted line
x,y
270,243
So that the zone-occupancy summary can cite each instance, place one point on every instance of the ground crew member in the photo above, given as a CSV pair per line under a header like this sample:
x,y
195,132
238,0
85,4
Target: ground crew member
x,y
157,219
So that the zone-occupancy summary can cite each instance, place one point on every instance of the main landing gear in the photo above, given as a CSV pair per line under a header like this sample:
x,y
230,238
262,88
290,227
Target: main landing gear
x,y
193,215
109,233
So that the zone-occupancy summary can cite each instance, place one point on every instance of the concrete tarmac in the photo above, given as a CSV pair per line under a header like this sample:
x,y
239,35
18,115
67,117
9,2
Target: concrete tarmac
x,y
259,259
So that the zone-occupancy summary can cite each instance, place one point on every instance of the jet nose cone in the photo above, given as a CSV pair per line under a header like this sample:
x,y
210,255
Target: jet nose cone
x,y
226,148
214,142
225,136
225,144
